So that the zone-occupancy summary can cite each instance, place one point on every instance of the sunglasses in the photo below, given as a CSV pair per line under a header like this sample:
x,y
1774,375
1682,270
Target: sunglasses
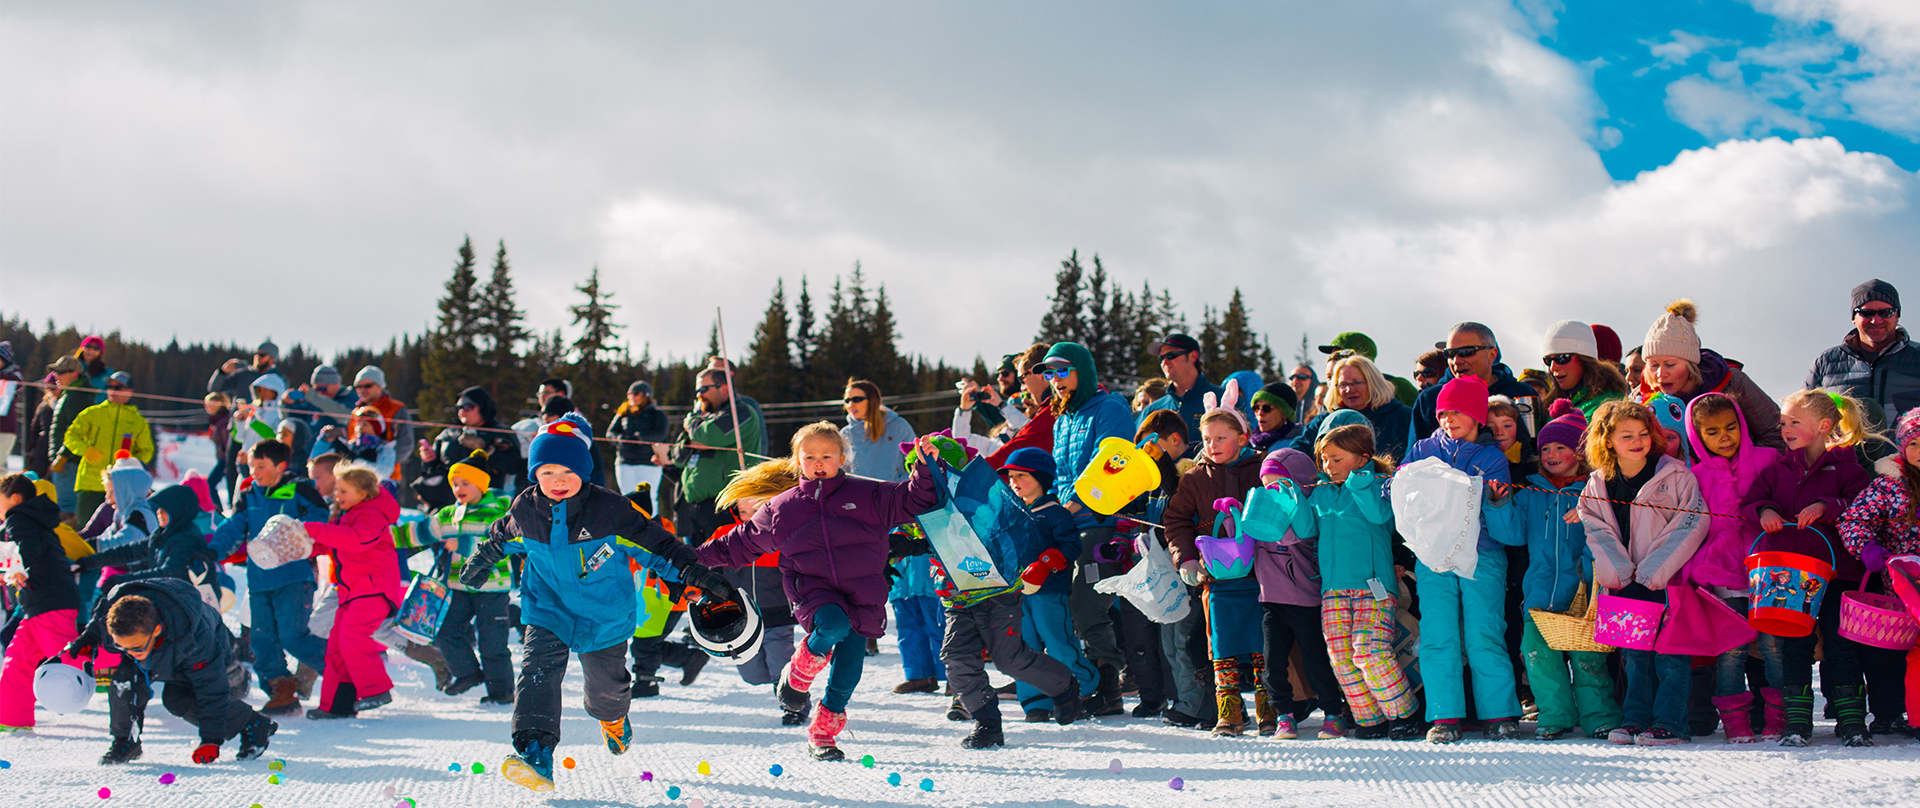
x,y
1877,314
465,407
142,648
1172,355
702,389
1300,377
117,387
1055,373
1265,408
854,399
1558,359
364,385
1465,351
1424,373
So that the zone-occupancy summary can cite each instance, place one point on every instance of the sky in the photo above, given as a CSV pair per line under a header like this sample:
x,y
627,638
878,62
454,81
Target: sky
x,y
233,171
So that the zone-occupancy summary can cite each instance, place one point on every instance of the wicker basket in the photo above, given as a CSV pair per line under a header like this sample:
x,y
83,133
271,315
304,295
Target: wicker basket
x,y
1571,630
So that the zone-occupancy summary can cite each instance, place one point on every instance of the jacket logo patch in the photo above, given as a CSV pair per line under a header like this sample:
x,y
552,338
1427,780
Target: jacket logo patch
x,y
584,535
848,507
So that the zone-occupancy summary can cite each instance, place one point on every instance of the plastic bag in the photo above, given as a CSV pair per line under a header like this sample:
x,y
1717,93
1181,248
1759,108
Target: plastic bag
x,y
1437,509
1153,585
282,540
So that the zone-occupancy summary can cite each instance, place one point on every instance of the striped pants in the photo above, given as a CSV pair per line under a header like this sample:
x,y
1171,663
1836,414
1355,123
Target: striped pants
x,y
1359,633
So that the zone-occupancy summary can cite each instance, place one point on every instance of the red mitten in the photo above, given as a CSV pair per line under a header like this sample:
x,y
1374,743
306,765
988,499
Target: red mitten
x,y
1035,574
207,753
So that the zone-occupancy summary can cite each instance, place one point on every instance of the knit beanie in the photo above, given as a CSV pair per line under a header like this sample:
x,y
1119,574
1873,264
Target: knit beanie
x,y
271,350
93,341
1571,336
1672,334
371,373
473,469
1279,394
1466,395
1876,290
1340,418
6,353
567,442
1906,430
1292,464
324,374
1607,342
1568,427
1032,461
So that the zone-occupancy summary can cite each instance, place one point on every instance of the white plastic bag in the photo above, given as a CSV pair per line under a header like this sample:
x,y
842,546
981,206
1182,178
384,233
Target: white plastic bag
x,y
282,540
1437,509
1153,585
10,560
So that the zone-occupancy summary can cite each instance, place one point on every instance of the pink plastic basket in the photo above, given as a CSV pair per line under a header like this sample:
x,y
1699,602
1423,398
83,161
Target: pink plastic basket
x,y
1627,623
1881,621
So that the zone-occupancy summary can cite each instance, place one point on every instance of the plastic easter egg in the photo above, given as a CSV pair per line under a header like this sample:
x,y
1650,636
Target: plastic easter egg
x,y
1176,784
646,777
105,793
893,779
389,792
1114,765
926,784
867,761
775,770
704,768
696,802
166,779
673,792
273,779
277,765
479,769
567,762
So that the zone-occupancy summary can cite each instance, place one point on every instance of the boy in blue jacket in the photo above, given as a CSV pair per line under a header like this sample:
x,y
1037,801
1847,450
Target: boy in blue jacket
x,y
1045,621
280,599
577,593
1457,612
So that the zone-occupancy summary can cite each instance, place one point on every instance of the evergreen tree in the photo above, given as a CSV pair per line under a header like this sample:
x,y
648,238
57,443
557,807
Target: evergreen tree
x,y
805,340
1064,321
452,360
1209,338
500,326
884,365
1094,335
1239,348
593,378
1300,357
768,372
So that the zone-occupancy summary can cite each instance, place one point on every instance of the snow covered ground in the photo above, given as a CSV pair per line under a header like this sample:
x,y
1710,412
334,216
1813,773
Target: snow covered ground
x,y
410,744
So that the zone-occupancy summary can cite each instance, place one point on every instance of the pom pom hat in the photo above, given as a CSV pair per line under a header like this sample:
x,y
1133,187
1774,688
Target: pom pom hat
x,y
567,442
1673,335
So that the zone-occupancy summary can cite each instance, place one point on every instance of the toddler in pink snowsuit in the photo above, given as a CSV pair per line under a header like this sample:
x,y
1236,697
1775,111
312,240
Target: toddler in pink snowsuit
x,y
366,576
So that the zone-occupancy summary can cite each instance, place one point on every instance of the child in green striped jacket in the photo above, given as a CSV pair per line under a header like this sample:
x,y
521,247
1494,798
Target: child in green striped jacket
x,y
483,610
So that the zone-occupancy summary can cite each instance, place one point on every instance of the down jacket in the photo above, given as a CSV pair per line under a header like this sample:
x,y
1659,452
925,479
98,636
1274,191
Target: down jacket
x,y
1663,539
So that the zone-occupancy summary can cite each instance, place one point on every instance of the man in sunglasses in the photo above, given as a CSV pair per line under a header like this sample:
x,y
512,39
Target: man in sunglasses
x,y
1471,351
1180,360
235,378
1876,361
170,636
704,471
97,433
370,384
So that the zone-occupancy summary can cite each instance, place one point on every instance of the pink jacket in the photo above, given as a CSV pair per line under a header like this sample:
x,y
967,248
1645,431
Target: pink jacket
x,y
1663,540
360,541
1722,558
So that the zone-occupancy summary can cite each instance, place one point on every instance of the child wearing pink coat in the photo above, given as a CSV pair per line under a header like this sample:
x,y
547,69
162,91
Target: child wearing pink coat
x,y
366,577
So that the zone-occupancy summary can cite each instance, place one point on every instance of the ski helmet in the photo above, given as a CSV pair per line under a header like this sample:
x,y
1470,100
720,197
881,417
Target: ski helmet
x,y
726,628
62,688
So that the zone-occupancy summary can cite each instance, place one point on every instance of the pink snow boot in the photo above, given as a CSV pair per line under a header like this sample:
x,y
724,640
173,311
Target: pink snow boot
x,y
826,725
1736,714
804,666
1776,711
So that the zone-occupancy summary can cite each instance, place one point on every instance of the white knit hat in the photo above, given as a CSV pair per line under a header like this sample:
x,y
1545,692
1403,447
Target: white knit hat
x,y
1672,334
371,373
1571,336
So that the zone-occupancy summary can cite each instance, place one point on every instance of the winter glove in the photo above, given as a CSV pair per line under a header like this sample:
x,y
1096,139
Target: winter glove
x,y
206,753
78,649
1035,574
901,545
1190,573
59,465
1874,556
712,584
893,574
480,565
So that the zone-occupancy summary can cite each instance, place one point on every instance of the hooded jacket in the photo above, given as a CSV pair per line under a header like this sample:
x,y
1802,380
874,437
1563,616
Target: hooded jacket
x,y
360,541
292,497
504,461
1190,512
127,542
880,459
1890,376
1426,419
1664,537
50,585
1882,514
1482,457
1289,569
1354,524
98,431
265,417
180,550
1558,559
832,536
645,424
1722,558
578,582
194,647
1390,422
1091,416
1790,485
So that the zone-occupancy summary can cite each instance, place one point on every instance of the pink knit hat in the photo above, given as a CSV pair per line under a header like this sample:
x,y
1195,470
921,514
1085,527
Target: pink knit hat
x,y
1466,395
1906,430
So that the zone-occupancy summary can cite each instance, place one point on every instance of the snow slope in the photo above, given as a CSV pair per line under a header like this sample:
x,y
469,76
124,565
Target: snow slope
x,y
409,745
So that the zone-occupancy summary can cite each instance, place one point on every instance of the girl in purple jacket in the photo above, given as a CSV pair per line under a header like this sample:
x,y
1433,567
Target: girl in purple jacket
x,y
831,533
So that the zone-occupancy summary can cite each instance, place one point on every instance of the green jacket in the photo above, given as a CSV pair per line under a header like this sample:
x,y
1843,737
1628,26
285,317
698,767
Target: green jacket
x,y
97,432
468,524
706,471
65,409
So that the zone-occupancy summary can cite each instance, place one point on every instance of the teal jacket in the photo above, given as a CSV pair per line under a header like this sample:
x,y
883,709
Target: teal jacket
x,y
1354,522
1558,559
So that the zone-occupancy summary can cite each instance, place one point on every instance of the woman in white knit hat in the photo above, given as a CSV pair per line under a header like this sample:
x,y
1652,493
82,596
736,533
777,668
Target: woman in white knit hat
x,y
1679,367
1571,357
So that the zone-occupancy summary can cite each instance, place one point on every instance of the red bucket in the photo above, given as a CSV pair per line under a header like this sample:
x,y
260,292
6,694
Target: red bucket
x,y
1784,589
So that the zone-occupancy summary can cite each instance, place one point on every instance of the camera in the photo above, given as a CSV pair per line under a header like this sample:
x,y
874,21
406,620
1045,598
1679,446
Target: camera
x,y
980,395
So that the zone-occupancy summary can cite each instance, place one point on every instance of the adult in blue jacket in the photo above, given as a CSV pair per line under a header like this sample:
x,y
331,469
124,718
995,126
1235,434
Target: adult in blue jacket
x,y
1471,351
1085,415
280,599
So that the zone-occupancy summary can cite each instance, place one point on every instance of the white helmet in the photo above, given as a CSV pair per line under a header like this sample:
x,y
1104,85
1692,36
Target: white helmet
x,y
62,688
726,628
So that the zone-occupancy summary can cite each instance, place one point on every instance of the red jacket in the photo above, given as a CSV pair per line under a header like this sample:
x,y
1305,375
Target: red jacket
x,y
360,541
1038,433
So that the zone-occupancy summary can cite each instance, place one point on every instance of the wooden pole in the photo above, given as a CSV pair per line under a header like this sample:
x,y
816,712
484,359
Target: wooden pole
x,y
733,401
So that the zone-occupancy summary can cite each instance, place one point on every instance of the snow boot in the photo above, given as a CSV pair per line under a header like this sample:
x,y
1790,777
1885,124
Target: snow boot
x,y
1266,719
1736,715
1896,726
797,678
497,701
1444,732
958,712
1404,728
285,700
1851,727
1775,711
1148,709
1068,706
986,732
1175,718
1799,709
617,734
303,679
1659,736
462,684
690,668
1232,709
253,739
928,685
123,750
432,658
1333,726
1038,715
826,725
530,765
1550,733
1106,694
1505,729
381,699
643,687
